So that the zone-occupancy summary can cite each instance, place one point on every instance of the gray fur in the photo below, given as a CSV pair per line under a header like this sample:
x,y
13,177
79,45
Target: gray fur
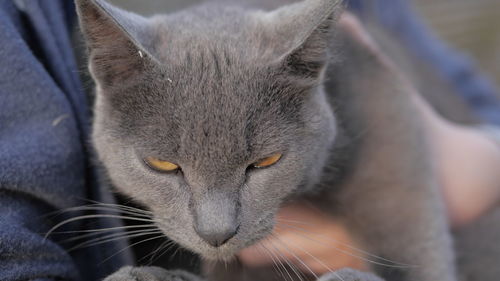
x,y
219,86
349,274
188,101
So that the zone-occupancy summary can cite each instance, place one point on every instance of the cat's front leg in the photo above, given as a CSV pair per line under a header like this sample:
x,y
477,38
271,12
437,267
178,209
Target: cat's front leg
x,y
349,275
151,273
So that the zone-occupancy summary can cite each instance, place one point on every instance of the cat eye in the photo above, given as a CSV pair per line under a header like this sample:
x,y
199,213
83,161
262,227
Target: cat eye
x,y
160,165
268,161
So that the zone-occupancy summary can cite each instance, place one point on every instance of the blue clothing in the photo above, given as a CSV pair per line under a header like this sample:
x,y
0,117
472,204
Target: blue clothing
x,y
44,126
44,163
398,17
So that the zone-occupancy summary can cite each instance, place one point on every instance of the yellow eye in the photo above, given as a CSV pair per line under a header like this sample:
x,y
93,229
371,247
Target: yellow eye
x,y
268,161
163,166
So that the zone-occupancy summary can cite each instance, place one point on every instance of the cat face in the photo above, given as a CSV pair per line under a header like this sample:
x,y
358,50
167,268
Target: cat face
x,y
211,124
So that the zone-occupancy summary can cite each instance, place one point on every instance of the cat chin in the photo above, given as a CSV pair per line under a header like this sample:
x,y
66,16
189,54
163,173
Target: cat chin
x,y
219,256
225,253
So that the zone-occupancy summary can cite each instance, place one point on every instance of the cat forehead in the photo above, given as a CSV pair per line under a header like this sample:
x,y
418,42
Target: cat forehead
x,y
215,83
231,66
208,31
205,94
205,112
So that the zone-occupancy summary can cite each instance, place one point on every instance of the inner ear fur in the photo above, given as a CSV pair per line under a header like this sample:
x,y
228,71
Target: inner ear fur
x,y
113,37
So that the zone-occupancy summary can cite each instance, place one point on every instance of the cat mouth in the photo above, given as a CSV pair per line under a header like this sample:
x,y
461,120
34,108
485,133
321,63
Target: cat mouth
x,y
235,248
225,252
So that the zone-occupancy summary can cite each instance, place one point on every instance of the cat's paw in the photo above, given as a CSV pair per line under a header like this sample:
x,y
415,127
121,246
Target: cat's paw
x,y
150,273
349,275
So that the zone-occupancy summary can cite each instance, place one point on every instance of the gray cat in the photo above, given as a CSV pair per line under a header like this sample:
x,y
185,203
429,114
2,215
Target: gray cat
x,y
214,116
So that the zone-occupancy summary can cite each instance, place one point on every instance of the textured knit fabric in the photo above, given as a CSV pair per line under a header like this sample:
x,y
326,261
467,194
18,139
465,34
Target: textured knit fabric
x,y
44,165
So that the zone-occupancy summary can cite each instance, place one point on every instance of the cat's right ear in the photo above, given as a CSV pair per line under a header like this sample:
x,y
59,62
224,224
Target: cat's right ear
x,y
301,34
116,42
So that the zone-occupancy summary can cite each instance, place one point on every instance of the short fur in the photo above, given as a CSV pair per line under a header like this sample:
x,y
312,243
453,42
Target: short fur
x,y
219,86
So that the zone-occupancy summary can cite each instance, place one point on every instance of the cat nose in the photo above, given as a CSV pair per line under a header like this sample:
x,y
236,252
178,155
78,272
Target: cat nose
x,y
216,216
217,237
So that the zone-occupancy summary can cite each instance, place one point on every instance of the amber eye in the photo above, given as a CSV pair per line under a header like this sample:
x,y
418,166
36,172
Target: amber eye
x,y
268,161
160,165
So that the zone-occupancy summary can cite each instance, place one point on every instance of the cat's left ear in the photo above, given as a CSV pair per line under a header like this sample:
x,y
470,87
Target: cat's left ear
x,y
304,31
117,41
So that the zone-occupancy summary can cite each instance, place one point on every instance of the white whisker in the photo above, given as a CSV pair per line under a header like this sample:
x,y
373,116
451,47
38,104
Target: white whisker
x,y
103,236
296,257
275,261
319,261
113,238
94,232
105,209
261,250
134,244
152,254
95,216
280,262
393,263
294,269
168,248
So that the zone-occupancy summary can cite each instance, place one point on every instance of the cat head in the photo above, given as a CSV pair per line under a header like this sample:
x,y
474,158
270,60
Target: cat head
x,y
213,116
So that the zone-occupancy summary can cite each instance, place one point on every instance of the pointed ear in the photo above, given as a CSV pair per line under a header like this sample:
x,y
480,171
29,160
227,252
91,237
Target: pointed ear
x,y
115,39
307,28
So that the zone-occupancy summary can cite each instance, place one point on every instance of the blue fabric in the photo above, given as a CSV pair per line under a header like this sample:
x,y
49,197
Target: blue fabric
x,y
398,17
43,132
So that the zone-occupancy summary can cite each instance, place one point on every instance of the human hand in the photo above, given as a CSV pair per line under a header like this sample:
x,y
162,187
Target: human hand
x,y
309,240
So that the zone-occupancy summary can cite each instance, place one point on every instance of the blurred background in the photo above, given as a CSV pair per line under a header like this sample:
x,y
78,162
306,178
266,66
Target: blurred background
x,y
471,26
